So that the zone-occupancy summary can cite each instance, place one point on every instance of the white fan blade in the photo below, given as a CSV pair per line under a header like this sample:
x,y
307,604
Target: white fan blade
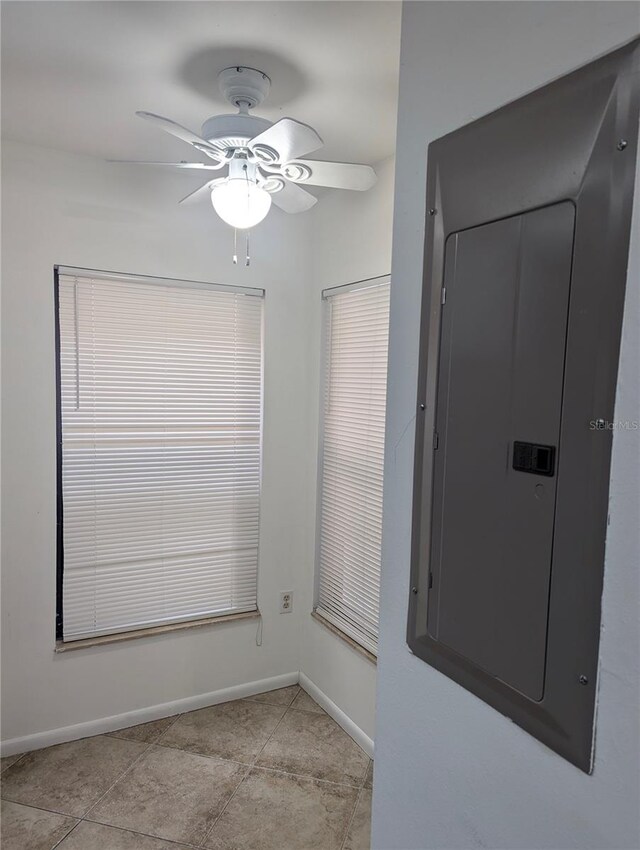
x,y
179,131
290,139
293,199
202,191
200,166
336,175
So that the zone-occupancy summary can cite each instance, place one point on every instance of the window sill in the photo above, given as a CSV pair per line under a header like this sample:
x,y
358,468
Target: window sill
x,y
70,645
344,637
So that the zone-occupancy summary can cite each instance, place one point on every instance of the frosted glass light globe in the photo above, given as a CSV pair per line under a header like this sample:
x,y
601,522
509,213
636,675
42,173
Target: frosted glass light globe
x,y
240,202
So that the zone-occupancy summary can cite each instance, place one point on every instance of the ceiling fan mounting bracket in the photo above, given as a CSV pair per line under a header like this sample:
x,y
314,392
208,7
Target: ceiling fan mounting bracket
x,y
244,87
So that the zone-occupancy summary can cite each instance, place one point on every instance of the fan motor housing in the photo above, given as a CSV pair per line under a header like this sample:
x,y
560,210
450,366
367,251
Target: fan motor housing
x,y
233,131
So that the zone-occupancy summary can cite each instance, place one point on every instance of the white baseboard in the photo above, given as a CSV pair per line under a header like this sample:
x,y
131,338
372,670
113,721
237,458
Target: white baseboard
x,y
38,740
342,719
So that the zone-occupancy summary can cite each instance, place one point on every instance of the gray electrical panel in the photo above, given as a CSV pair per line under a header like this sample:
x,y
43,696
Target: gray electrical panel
x,y
525,269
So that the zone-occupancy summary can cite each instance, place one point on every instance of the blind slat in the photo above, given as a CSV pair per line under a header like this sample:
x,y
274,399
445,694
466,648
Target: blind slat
x,y
161,408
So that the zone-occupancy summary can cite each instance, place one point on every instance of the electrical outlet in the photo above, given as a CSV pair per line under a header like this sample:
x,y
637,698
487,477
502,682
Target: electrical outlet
x,y
286,602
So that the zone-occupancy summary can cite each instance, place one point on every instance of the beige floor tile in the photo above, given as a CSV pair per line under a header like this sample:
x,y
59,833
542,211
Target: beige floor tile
x,y
97,836
233,730
314,745
146,733
7,761
359,836
69,778
368,780
273,811
281,696
304,702
170,794
24,828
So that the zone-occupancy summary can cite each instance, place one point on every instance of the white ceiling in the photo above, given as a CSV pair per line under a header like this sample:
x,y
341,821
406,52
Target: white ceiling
x,y
74,73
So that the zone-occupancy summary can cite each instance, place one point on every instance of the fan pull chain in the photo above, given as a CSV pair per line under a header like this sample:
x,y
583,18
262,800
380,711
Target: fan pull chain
x,y
247,258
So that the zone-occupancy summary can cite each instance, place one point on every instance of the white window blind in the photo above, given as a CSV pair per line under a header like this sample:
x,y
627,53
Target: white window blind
x,y
352,430
161,396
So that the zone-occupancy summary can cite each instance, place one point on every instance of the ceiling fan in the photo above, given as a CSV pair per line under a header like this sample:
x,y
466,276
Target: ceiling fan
x,y
263,158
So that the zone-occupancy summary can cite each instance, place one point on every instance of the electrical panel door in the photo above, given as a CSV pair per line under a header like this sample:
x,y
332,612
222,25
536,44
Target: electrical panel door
x,y
504,324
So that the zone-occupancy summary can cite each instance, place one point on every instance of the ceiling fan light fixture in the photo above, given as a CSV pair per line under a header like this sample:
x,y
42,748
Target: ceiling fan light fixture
x,y
241,203
262,157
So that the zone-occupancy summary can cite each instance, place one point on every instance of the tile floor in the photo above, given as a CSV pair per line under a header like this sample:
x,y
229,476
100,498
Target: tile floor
x,y
270,772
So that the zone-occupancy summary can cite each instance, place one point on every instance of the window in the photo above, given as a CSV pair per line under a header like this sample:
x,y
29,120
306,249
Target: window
x,y
160,386
352,455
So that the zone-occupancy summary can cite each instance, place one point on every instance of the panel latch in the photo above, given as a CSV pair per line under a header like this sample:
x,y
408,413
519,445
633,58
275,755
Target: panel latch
x,y
534,458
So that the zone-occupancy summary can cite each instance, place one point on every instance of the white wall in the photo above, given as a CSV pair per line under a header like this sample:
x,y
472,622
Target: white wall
x,y
450,771
72,210
351,242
